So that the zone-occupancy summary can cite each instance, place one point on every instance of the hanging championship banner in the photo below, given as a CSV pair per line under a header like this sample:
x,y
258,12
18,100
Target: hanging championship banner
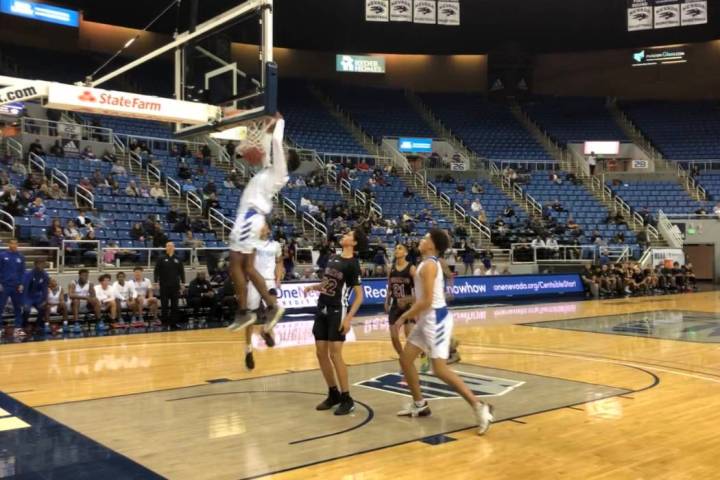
x,y
639,15
376,11
448,13
693,12
425,11
401,10
667,14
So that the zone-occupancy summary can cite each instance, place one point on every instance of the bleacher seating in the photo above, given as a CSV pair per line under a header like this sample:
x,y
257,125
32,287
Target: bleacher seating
x,y
487,128
309,125
493,200
394,204
574,119
680,130
579,203
710,181
381,112
668,196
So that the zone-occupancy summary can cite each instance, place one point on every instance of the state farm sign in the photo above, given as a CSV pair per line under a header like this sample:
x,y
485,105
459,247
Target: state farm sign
x,y
95,100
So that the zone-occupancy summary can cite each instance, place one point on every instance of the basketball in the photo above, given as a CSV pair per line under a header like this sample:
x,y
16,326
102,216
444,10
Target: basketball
x,y
251,154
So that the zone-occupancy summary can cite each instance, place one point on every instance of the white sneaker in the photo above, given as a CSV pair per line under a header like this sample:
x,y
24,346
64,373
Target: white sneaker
x,y
242,321
412,410
276,314
19,333
483,416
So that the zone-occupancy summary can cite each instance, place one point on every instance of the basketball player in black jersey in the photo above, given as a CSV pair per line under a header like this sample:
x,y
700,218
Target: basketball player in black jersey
x,y
332,320
399,294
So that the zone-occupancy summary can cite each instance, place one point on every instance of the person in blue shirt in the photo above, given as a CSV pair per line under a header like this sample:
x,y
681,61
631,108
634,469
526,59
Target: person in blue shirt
x,y
12,272
35,288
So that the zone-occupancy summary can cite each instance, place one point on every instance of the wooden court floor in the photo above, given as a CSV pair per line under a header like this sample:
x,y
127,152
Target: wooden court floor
x,y
661,422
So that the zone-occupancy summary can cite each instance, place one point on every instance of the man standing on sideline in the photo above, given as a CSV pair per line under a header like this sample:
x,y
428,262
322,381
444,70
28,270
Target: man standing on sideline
x,y
170,274
12,272
35,289
592,163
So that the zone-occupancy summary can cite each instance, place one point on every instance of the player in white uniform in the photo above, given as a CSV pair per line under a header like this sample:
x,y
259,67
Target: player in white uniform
x,y
432,333
143,289
82,296
105,295
126,299
269,264
55,302
255,204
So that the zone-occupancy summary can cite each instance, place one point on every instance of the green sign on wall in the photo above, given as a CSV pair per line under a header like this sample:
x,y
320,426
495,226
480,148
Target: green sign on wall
x,y
360,64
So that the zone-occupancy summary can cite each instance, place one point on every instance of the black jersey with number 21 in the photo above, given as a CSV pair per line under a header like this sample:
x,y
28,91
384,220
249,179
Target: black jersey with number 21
x,y
341,275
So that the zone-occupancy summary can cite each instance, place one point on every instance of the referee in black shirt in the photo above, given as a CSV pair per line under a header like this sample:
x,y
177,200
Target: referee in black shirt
x,y
170,274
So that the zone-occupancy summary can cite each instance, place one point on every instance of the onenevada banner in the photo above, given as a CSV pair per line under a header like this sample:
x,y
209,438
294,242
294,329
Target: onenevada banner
x,y
465,289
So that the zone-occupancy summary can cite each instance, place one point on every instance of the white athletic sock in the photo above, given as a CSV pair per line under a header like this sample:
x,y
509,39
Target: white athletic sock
x,y
420,403
248,349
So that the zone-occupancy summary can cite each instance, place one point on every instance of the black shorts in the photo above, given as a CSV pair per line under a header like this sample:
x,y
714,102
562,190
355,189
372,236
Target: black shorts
x,y
328,320
395,313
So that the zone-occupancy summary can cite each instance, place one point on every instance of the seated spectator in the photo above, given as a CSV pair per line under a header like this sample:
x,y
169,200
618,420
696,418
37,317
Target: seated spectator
x,y
188,186
137,232
227,183
55,193
619,238
159,237
200,294
210,202
554,178
113,184
57,150
17,167
109,157
716,210
509,212
71,231
476,206
191,242
184,171
37,209
363,165
408,193
460,188
118,169
209,188
132,190
86,184
98,181
56,238
36,148
557,206
492,271
81,220
88,154
158,193
477,189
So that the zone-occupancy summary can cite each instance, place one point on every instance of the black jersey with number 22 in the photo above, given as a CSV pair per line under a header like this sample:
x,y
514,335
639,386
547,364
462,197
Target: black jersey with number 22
x,y
341,275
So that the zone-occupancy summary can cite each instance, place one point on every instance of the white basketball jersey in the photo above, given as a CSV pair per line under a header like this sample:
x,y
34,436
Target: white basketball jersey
x,y
438,298
82,290
124,292
141,287
266,254
53,298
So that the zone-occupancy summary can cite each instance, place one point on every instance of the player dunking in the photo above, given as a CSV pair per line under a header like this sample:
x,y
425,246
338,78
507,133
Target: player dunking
x,y
269,264
399,295
255,204
332,322
432,333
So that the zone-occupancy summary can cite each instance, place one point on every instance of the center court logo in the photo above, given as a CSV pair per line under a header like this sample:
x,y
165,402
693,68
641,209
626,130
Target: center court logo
x,y
434,388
